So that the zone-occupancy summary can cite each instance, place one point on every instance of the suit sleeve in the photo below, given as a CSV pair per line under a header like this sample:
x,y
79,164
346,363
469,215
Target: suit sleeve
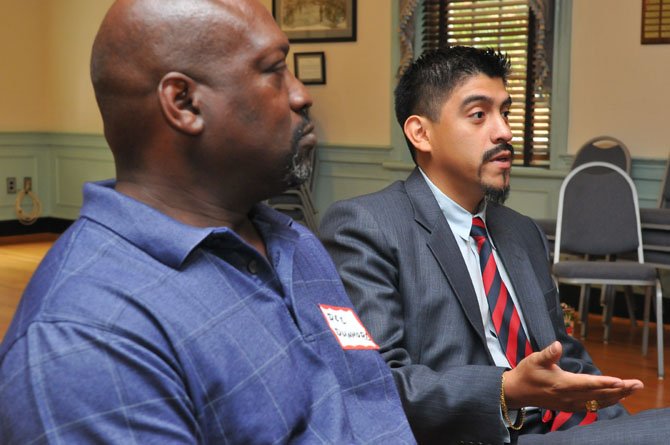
x,y
441,406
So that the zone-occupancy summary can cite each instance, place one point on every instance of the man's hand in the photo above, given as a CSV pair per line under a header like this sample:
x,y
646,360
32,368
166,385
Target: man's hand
x,y
538,381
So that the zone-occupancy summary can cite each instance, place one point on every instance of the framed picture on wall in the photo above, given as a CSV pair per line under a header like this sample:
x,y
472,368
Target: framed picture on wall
x,y
310,68
306,21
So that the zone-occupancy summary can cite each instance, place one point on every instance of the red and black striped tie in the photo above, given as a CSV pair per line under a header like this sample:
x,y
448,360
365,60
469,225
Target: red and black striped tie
x,y
508,325
504,315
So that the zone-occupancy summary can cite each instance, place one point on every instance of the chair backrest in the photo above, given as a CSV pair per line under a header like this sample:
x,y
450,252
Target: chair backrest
x,y
604,149
664,197
598,212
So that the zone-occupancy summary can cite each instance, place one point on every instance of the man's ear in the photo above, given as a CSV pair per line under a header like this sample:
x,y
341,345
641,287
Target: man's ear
x,y
180,102
417,130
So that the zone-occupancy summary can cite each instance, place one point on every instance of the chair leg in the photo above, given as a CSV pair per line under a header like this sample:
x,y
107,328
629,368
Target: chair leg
x,y
604,292
580,309
608,311
628,293
659,329
603,301
584,308
645,329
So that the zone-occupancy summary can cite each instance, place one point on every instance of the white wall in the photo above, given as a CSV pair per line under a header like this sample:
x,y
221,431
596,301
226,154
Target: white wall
x,y
618,87
72,25
45,82
22,88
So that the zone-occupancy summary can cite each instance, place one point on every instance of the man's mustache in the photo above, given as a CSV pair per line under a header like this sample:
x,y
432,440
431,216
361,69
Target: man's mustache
x,y
306,122
300,129
495,151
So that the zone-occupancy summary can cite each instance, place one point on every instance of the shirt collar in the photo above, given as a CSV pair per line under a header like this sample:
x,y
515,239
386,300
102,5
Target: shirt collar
x,y
166,239
459,219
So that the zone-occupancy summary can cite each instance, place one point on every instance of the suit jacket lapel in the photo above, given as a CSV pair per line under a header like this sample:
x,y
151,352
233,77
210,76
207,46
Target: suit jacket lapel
x,y
442,244
522,275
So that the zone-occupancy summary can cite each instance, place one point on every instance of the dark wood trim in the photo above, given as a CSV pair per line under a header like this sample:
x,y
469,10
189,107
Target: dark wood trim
x,y
43,225
31,238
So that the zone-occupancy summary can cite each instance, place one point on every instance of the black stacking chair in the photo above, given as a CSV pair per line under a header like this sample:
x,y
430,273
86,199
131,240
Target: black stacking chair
x,y
598,218
599,149
656,227
604,149
297,202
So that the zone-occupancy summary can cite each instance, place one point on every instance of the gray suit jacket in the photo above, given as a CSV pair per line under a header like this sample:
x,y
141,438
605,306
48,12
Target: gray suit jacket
x,y
404,273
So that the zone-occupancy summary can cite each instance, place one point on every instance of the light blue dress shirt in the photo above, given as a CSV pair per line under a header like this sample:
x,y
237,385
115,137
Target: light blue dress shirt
x,y
460,222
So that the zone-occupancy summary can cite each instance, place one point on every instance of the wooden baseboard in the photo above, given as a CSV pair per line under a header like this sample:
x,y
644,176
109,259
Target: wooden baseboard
x,y
31,238
41,226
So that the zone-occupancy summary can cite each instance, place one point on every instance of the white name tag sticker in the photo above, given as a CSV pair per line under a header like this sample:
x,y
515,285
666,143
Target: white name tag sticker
x,y
347,328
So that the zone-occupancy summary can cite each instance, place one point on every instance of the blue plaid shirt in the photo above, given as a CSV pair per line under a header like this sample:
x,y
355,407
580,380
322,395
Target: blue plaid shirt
x,y
138,329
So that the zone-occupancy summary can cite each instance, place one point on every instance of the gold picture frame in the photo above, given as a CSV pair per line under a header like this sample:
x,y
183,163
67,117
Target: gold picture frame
x,y
310,21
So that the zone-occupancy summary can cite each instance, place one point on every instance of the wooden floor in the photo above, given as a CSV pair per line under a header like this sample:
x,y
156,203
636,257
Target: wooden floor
x,y
19,256
621,357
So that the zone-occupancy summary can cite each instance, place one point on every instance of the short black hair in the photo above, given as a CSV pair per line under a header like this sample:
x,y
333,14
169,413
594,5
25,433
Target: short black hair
x,y
428,81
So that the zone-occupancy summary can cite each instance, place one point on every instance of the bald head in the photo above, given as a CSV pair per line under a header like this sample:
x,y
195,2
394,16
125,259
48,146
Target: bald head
x,y
196,98
141,40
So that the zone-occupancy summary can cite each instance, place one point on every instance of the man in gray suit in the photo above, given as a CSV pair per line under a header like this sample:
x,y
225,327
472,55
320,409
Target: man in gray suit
x,y
412,268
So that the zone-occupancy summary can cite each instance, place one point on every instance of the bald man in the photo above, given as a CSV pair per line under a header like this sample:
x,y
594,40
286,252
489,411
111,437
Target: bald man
x,y
176,309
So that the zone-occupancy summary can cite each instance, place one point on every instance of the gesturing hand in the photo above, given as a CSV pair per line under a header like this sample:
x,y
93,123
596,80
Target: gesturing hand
x,y
539,381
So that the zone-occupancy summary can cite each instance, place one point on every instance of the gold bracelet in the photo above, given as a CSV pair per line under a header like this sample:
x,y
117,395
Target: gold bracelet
x,y
522,411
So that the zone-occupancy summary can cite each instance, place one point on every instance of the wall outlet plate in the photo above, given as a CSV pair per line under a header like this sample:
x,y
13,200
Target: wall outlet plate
x,y
11,185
